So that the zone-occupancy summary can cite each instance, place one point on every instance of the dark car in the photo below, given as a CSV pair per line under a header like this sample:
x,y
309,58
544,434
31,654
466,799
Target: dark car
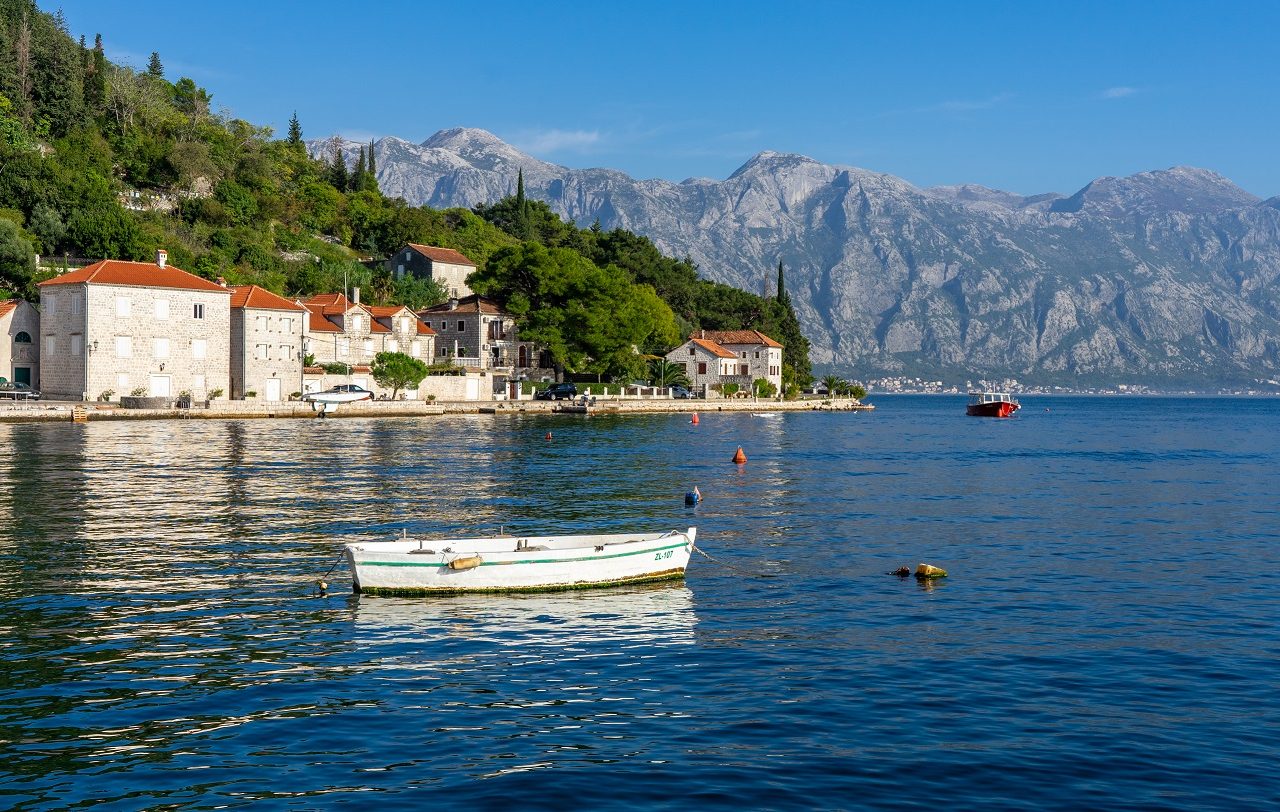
x,y
557,391
680,392
12,390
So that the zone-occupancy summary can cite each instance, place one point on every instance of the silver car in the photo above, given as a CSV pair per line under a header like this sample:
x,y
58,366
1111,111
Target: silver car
x,y
12,390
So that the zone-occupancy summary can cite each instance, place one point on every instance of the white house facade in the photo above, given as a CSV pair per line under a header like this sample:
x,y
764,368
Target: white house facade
x,y
115,328
266,344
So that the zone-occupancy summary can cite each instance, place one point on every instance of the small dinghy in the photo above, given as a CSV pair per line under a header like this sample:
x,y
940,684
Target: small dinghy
x,y
410,566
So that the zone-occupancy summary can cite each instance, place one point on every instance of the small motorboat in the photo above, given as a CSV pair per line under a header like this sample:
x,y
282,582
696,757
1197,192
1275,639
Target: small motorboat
x,y
991,404
411,566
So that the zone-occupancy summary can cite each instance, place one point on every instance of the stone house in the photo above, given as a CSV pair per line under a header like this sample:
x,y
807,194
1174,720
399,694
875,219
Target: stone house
x,y
20,342
476,332
447,267
121,327
266,344
343,331
713,357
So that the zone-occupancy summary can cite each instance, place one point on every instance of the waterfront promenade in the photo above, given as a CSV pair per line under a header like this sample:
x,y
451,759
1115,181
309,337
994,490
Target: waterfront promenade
x,y
53,411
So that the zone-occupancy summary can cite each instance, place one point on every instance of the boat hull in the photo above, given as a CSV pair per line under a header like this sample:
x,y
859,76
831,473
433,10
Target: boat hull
x,y
1003,409
539,564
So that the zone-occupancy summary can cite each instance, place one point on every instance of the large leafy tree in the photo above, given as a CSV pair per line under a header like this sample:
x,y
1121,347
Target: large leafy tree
x,y
590,319
398,371
17,259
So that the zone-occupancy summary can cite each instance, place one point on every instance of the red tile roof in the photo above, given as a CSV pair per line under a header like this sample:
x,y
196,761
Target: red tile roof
x,y
7,305
713,348
424,330
135,274
317,323
386,311
736,337
331,304
376,326
260,298
475,303
436,254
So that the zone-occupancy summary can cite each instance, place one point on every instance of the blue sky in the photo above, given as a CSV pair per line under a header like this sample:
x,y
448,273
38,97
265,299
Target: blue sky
x,y
1025,96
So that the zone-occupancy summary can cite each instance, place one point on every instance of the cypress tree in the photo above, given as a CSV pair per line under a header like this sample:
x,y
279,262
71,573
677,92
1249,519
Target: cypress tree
x,y
373,169
357,178
154,68
782,289
338,169
524,228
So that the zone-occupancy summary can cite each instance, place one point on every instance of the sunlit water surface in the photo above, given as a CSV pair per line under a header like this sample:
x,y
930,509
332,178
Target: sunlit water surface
x,y
1109,636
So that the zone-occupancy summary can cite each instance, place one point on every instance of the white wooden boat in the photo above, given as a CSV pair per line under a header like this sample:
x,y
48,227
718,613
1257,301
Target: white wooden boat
x,y
411,566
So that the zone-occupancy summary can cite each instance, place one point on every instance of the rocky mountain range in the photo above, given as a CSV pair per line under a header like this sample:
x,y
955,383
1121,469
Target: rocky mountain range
x,y
1165,278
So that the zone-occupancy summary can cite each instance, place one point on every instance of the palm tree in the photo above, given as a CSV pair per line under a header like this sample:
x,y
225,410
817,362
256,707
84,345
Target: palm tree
x,y
834,385
667,373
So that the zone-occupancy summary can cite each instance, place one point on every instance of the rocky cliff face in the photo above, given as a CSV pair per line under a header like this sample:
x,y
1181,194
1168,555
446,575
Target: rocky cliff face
x,y
1165,277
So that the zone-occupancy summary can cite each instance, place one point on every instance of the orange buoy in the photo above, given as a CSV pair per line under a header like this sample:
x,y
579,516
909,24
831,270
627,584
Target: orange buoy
x,y
739,457
694,421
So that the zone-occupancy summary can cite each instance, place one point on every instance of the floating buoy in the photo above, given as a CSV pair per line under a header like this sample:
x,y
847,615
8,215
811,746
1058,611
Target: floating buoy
x,y
694,420
322,585
901,572
548,435
739,457
468,563
926,571
693,497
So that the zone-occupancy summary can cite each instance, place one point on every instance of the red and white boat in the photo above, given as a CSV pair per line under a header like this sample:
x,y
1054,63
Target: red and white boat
x,y
991,404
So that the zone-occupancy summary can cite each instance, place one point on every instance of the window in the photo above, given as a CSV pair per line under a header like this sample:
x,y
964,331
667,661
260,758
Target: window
x,y
444,352
344,346
77,345
162,309
75,305
199,348
124,347
404,325
197,311
286,324
122,382
462,325
286,352
427,323
122,307
743,354
355,324
22,337
50,305
757,354
407,254
393,345
368,345
691,350
262,352
744,370
261,323
162,348
414,349
702,367
399,271
197,382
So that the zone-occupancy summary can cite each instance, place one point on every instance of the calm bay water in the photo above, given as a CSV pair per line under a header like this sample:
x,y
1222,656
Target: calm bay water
x,y
1109,636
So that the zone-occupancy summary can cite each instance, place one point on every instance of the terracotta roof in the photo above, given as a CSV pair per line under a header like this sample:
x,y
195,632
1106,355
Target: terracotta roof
x,y
736,337
385,311
331,304
317,323
424,330
475,303
436,254
8,305
713,348
135,274
376,326
260,298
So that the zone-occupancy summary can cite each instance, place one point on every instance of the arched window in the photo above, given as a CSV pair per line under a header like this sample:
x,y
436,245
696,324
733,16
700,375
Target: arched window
x,y
22,338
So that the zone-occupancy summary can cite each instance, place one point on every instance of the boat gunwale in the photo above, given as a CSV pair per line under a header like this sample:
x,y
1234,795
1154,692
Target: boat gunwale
x,y
568,555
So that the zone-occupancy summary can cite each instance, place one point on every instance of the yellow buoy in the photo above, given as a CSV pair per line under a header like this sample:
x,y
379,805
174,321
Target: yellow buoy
x,y
930,571
468,563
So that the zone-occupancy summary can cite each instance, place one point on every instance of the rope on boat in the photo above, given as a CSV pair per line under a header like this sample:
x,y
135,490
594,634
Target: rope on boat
x,y
727,565
321,583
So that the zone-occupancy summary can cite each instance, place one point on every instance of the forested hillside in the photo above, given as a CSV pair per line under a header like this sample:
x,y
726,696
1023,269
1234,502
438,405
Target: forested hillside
x,y
102,160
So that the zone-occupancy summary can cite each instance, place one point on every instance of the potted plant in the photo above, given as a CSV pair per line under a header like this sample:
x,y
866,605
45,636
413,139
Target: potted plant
x,y
106,395
250,394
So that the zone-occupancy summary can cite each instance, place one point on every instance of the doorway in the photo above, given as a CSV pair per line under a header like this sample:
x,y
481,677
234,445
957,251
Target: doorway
x,y
273,390
160,386
22,375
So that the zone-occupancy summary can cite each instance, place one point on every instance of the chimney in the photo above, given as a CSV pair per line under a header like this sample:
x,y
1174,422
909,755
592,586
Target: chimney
x,y
355,295
162,256
453,302
222,281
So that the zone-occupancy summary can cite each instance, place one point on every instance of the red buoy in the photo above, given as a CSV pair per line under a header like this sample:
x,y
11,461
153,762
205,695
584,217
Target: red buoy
x,y
739,457
548,435
694,421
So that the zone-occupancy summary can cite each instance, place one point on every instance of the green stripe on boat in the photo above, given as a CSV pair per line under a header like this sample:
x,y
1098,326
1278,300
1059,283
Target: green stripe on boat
x,y
362,563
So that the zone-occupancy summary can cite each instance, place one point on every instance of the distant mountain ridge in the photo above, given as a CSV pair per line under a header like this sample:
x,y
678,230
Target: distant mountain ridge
x,y
1164,277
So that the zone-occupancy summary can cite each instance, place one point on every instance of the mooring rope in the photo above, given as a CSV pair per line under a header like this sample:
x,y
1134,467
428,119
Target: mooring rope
x,y
727,565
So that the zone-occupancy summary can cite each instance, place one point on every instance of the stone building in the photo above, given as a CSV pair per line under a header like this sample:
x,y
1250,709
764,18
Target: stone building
x,y
20,342
447,267
475,332
121,327
730,356
266,344
343,331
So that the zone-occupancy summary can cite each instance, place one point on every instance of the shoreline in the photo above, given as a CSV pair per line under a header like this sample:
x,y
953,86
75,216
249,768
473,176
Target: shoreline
x,y
67,411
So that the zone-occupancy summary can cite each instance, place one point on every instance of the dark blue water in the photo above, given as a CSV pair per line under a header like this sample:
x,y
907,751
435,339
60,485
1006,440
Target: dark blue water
x,y
1107,639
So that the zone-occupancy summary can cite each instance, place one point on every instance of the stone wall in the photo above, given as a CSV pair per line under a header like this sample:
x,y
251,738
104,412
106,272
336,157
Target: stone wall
x,y
16,355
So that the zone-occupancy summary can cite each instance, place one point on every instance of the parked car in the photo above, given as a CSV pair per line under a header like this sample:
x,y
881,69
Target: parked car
x,y
12,390
557,391
681,393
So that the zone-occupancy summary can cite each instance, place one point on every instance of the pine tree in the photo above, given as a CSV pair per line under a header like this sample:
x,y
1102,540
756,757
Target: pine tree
x,y
338,169
95,77
295,132
154,68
